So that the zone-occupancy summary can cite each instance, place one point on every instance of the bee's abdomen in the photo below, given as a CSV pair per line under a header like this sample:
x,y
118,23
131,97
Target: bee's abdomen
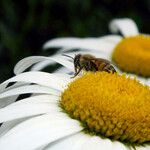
x,y
106,67
109,68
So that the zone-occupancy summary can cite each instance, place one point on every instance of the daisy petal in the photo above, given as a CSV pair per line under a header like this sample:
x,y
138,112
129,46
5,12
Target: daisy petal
x,y
93,44
148,82
41,78
25,63
126,26
96,143
29,89
143,147
29,107
81,141
42,130
38,99
42,65
8,100
73,142
41,147
112,38
64,62
6,126
63,70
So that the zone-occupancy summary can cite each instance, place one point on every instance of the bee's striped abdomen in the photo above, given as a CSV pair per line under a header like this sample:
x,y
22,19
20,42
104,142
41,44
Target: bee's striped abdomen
x,y
103,66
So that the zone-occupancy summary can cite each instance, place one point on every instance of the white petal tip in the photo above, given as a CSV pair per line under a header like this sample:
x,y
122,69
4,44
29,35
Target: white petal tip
x,y
126,26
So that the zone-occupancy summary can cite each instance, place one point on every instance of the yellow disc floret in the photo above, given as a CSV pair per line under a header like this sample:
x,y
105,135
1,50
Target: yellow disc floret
x,y
110,105
132,54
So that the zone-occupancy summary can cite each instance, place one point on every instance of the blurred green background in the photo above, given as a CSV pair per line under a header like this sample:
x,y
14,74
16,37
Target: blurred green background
x,y
26,25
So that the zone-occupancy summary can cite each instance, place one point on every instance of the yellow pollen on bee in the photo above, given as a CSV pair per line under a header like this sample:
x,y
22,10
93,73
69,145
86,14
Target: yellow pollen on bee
x,y
132,54
110,105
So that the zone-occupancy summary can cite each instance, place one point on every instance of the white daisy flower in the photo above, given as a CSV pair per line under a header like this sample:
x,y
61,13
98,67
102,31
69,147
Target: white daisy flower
x,y
130,52
96,111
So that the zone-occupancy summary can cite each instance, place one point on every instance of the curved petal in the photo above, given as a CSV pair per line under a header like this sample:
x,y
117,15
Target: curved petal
x,y
6,126
39,131
63,70
148,82
41,65
142,80
29,89
103,144
143,147
93,44
29,107
112,38
41,78
64,62
82,141
73,142
126,26
8,100
25,63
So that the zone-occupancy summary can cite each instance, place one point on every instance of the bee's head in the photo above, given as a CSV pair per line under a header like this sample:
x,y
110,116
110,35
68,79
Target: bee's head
x,y
77,60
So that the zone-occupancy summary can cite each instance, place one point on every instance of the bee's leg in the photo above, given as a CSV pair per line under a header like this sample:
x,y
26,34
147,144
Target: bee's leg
x,y
75,69
77,72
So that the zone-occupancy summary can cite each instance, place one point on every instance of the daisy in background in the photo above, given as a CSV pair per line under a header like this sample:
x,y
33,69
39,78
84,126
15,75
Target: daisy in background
x,y
95,111
129,52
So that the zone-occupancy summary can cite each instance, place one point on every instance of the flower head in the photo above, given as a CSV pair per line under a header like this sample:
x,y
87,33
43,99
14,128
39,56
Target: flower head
x,y
96,111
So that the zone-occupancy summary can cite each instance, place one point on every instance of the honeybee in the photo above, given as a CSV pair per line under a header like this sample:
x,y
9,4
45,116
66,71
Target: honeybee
x,y
89,62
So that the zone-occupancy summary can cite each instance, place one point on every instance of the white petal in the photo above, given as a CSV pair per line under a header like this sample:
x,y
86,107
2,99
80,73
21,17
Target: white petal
x,y
41,147
38,99
29,89
29,61
82,141
126,26
8,100
73,142
6,126
41,78
61,60
104,144
148,82
63,70
64,62
112,38
93,44
140,79
29,107
42,65
39,131
143,147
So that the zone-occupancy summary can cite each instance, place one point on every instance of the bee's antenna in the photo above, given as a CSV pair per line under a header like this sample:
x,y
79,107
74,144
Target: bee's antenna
x,y
67,56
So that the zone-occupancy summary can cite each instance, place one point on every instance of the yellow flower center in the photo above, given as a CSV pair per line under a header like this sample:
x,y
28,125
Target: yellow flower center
x,y
110,105
132,54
